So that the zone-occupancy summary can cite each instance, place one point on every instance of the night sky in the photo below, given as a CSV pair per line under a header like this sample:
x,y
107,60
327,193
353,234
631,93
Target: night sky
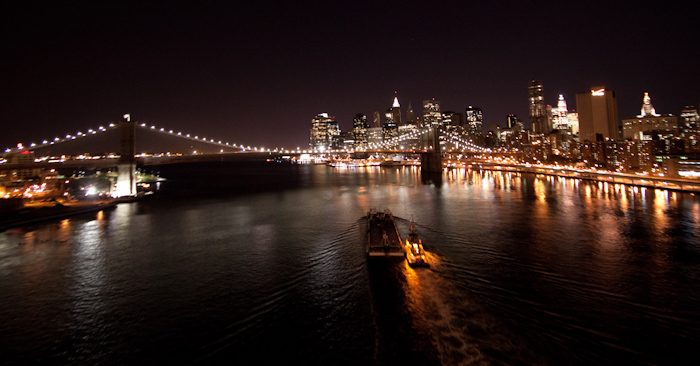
x,y
256,73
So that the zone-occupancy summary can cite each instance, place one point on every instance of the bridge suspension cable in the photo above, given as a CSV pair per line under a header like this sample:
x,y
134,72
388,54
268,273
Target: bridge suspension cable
x,y
104,128
68,137
445,136
466,144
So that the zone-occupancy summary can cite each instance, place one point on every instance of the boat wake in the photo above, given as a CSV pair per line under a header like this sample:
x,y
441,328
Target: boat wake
x,y
460,329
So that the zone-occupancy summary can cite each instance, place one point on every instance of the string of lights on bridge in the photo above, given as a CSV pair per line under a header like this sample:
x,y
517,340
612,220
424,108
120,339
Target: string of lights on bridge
x,y
384,145
447,137
69,137
112,126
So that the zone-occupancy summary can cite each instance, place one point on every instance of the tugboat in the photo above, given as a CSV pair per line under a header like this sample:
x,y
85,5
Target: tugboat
x,y
414,248
383,239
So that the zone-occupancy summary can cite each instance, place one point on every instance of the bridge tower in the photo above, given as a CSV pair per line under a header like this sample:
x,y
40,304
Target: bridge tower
x,y
126,166
431,160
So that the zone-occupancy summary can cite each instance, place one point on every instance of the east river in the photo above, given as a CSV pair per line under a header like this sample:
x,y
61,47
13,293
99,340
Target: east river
x,y
253,264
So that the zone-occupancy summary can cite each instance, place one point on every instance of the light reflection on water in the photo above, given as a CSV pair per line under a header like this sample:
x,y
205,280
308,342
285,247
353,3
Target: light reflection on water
x,y
525,269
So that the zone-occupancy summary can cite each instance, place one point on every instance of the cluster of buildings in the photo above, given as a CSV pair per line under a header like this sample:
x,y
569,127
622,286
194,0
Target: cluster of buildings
x,y
325,134
592,135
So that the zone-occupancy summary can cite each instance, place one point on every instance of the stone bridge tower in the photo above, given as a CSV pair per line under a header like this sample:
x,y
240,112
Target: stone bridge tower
x,y
126,166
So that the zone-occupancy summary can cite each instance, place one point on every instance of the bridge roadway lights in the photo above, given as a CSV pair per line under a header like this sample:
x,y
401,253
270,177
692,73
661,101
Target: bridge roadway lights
x,y
126,180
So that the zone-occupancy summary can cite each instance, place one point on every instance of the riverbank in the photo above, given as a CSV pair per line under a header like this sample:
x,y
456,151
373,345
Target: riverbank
x,y
673,184
42,211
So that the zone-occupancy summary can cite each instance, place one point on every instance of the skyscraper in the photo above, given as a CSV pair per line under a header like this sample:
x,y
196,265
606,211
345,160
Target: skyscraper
x,y
432,113
390,127
452,121
376,119
563,110
560,118
474,120
647,107
597,115
474,125
538,113
650,122
323,130
396,112
410,115
512,121
359,130
690,120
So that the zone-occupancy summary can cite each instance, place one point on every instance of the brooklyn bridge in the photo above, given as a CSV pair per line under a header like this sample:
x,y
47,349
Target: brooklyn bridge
x,y
154,145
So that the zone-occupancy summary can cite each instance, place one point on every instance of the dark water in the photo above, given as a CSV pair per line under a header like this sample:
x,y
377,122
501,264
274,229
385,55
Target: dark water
x,y
265,264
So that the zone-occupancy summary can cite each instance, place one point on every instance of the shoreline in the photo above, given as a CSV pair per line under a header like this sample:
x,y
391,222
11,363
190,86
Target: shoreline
x,y
671,184
32,215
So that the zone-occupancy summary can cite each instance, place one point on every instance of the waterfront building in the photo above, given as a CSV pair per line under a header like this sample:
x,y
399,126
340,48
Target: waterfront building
x,y
335,135
324,133
537,111
432,113
346,141
20,157
663,126
375,136
683,166
359,131
597,115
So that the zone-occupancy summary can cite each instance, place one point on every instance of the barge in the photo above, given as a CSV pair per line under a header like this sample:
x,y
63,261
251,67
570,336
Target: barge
x,y
383,239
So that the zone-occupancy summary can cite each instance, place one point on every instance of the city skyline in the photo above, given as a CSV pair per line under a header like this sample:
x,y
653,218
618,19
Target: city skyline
x,y
256,74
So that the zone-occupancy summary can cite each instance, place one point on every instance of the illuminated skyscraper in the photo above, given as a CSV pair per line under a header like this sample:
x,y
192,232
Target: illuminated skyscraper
x,y
390,127
452,122
538,113
563,110
647,107
651,123
690,119
396,112
432,113
474,118
560,118
359,130
323,131
597,115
